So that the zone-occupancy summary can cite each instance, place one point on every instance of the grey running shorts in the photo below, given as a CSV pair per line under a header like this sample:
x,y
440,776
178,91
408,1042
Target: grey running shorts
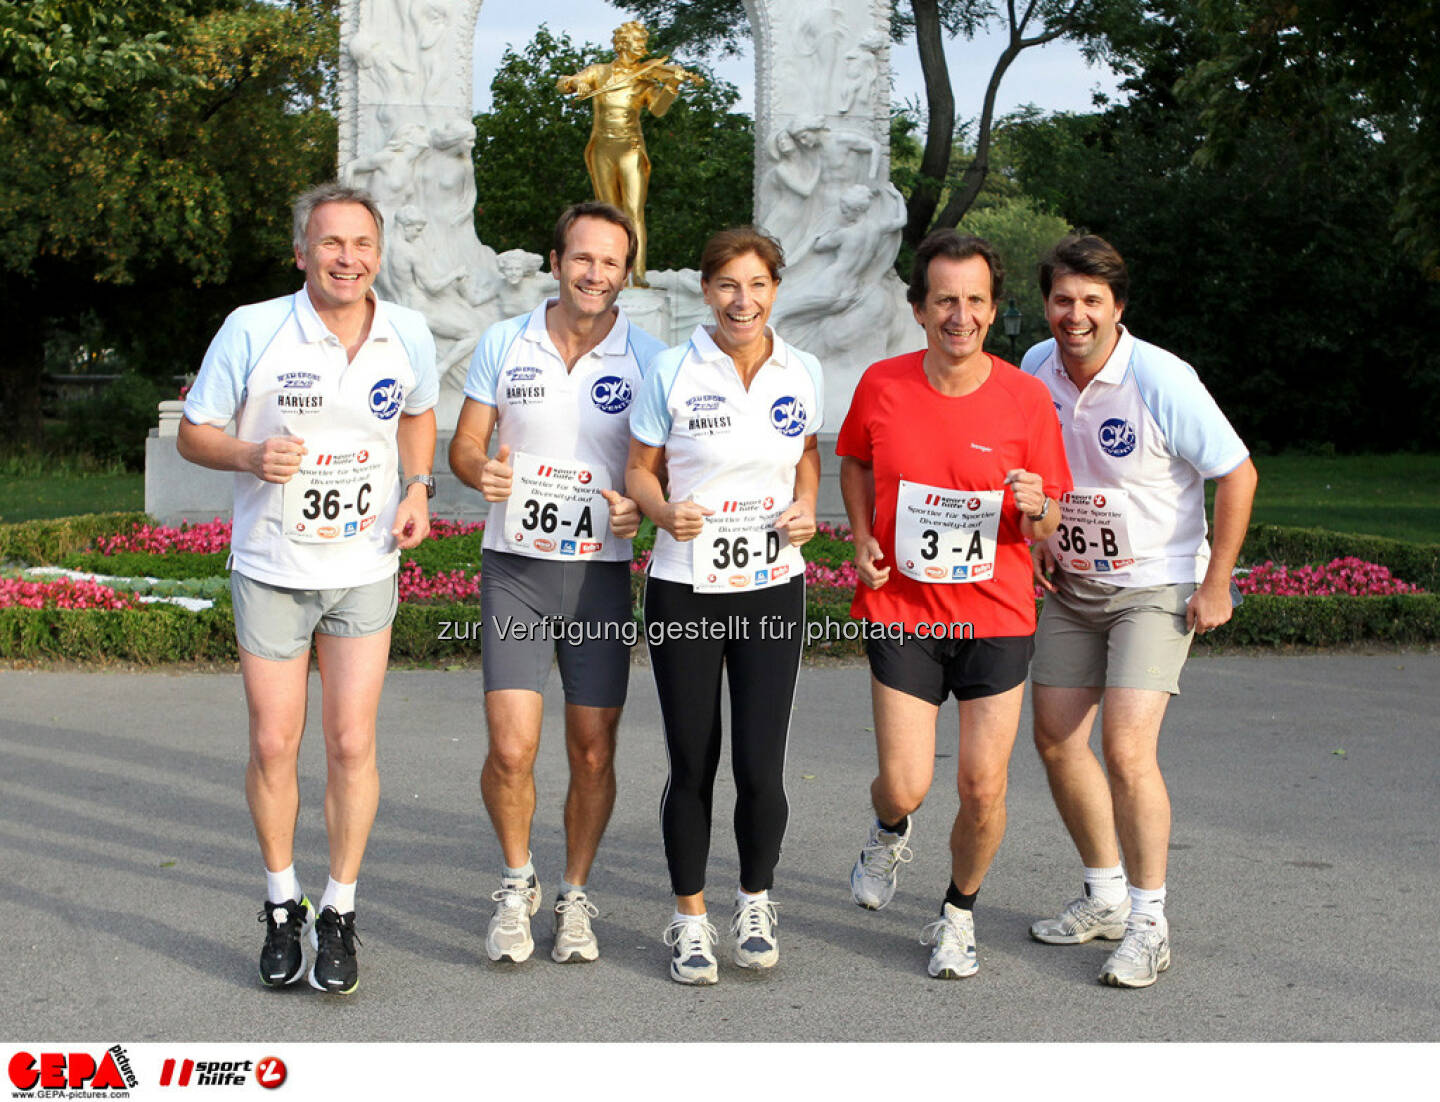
x,y
1093,634
277,623
537,611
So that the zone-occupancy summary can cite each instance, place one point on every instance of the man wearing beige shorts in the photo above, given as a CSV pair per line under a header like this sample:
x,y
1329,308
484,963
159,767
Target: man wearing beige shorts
x,y
1130,578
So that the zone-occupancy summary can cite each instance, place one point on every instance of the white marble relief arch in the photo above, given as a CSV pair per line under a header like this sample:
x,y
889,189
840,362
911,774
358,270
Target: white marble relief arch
x,y
821,181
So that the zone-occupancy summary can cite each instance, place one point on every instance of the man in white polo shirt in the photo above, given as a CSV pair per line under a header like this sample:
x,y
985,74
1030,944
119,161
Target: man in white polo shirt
x,y
1130,577
332,393
558,382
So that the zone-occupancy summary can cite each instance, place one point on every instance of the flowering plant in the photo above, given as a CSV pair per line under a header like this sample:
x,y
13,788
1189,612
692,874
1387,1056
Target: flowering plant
x,y
158,539
63,593
1351,576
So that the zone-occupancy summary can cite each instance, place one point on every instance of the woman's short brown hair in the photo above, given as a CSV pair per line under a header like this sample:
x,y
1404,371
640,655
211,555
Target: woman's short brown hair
x,y
726,245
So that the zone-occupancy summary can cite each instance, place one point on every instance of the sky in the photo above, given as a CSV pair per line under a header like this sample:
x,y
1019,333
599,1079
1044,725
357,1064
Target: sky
x,y
1054,77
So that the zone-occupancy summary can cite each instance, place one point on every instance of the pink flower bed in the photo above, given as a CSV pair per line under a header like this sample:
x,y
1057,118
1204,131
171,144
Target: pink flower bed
x,y
1350,576
441,529
203,539
63,593
443,585
843,576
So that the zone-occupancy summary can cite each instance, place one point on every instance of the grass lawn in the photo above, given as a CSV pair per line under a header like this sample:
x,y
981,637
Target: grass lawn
x,y
1377,495
62,493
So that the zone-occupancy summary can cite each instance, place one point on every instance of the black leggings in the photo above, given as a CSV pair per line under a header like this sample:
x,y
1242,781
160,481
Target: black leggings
x,y
758,636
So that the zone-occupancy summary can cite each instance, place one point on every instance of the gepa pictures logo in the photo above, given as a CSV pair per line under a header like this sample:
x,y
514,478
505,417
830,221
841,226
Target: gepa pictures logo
x,y
53,1071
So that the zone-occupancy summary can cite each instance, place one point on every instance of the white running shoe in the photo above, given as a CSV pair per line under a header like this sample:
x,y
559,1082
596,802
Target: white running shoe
x,y
1083,920
1143,954
574,939
872,880
509,934
692,958
754,929
953,935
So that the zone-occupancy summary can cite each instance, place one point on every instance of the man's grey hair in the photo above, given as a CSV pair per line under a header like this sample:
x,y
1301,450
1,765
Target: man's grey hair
x,y
334,192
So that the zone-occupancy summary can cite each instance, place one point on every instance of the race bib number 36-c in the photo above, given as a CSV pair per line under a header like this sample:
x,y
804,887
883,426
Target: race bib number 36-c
x,y
555,509
1093,537
946,536
740,548
337,494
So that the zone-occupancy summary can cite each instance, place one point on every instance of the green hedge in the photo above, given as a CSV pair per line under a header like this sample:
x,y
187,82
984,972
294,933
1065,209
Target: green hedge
x,y
45,542
138,564
1416,563
1267,621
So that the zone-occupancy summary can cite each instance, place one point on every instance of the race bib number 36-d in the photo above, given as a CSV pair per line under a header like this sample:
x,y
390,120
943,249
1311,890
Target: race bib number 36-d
x,y
1093,537
946,536
555,509
336,494
740,548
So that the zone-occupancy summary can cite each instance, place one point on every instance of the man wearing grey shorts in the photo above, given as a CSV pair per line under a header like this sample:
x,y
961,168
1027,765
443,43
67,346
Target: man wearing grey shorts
x,y
331,391
1129,578
557,384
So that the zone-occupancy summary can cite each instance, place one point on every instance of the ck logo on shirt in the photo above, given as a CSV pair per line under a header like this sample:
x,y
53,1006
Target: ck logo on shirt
x,y
386,398
787,416
612,394
1117,437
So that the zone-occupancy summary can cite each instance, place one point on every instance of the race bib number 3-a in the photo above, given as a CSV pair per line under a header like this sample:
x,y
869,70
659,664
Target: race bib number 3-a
x,y
946,536
555,509
1093,537
336,495
740,548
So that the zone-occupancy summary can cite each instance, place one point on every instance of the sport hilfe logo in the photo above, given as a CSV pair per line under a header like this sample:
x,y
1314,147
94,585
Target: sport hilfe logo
x,y
73,1070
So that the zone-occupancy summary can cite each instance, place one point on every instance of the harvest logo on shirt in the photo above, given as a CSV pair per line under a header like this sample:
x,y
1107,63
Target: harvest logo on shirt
x,y
524,395
709,426
299,403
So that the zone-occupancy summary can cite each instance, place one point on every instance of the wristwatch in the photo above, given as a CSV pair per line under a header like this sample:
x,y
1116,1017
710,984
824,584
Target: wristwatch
x,y
1044,512
428,481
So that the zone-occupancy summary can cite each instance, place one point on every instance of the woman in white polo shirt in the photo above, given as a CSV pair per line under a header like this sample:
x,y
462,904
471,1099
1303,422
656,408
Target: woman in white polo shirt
x,y
730,420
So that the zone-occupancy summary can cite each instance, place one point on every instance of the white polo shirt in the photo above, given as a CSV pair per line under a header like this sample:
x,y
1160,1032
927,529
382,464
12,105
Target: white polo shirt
x,y
544,409
722,441
1145,425
279,371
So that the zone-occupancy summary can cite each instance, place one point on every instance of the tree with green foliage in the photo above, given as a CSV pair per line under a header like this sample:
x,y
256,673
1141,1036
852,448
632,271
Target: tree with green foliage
x,y
720,25
1273,271
530,156
156,149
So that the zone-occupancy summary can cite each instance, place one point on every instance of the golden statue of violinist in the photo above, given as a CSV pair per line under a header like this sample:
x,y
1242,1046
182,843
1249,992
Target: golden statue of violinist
x,y
615,156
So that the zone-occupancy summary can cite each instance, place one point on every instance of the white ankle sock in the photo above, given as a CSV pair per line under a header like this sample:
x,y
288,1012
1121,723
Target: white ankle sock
x,y
338,895
1105,885
1148,903
282,886
525,872
744,898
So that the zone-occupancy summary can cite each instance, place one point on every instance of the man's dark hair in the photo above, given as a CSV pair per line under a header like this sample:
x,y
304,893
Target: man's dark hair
x,y
953,246
1087,255
592,208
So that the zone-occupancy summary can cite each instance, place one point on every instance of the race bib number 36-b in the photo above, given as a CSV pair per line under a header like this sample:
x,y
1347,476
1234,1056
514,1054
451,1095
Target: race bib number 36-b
x,y
555,509
336,494
946,536
740,548
1093,537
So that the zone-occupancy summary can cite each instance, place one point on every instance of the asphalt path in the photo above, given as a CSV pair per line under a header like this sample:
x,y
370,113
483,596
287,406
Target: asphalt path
x,y
1303,878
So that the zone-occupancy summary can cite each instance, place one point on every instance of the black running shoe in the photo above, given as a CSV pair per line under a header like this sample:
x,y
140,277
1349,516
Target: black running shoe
x,y
334,970
282,959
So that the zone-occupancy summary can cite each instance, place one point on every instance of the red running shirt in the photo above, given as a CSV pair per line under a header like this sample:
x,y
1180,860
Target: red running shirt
x,y
903,428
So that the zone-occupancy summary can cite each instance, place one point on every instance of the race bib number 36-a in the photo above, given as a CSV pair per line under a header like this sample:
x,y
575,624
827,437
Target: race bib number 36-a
x,y
1093,537
555,509
336,494
946,536
740,548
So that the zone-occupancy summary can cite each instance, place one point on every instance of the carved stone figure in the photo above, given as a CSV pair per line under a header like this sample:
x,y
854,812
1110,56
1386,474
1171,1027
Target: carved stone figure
x,y
790,193
620,90
522,284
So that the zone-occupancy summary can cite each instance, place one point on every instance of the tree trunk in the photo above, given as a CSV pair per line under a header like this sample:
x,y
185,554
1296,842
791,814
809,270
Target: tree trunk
x,y
940,125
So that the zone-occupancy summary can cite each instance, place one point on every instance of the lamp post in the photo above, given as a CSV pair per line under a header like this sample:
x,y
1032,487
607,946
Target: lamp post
x,y
1011,320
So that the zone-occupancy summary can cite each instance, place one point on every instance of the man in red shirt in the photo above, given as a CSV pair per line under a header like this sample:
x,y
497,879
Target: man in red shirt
x,y
950,460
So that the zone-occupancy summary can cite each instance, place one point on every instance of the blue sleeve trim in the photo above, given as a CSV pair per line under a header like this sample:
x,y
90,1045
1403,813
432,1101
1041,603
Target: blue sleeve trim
x,y
1035,357
817,380
414,333
1192,424
219,388
482,380
650,418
